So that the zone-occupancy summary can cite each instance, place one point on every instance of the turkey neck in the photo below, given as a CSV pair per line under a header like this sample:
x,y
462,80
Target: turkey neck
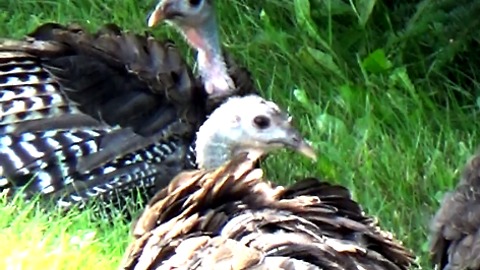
x,y
212,152
218,149
205,39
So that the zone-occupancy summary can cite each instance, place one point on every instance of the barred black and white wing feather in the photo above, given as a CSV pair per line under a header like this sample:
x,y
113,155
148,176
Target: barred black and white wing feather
x,y
28,93
83,112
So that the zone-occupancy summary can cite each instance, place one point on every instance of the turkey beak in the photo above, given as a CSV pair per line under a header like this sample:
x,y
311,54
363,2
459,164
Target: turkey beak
x,y
298,143
159,13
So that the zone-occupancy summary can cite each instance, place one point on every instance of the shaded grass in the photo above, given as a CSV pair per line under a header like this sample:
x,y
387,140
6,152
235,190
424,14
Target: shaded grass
x,y
378,132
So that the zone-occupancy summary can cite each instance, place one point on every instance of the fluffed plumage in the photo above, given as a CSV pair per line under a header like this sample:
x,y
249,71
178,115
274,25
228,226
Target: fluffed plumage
x,y
455,229
232,218
91,114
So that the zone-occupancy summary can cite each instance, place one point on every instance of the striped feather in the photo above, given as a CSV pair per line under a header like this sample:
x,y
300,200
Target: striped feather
x,y
46,163
113,84
45,137
33,156
149,169
27,92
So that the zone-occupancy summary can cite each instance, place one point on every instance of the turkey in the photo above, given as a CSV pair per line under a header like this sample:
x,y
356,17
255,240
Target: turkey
x,y
455,229
227,216
94,114
185,16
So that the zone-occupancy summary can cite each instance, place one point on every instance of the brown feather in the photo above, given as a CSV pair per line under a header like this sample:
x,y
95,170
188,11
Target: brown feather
x,y
232,218
455,229
148,74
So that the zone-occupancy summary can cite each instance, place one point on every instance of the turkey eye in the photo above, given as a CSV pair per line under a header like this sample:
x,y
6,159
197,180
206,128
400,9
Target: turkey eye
x,y
261,122
194,2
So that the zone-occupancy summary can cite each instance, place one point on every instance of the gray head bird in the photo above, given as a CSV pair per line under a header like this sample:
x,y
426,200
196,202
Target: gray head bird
x,y
227,215
196,21
250,125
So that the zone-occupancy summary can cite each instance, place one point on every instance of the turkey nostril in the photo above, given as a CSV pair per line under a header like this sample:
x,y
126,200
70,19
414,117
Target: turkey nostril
x,y
296,138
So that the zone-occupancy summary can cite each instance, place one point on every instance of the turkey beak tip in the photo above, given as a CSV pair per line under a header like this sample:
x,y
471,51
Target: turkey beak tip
x,y
296,142
156,16
306,149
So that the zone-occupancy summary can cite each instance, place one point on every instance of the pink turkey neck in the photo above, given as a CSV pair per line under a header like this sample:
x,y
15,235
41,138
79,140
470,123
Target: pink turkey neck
x,y
212,67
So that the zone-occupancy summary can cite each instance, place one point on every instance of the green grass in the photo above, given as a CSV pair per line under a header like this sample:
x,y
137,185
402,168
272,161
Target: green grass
x,y
33,239
379,131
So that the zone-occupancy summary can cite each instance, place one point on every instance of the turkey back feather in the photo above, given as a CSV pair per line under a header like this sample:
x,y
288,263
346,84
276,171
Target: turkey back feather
x,y
123,78
231,218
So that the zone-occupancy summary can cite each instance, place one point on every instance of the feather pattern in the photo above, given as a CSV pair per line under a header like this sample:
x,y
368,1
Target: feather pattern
x,y
47,163
27,92
232,218
455,229
153,87
91,114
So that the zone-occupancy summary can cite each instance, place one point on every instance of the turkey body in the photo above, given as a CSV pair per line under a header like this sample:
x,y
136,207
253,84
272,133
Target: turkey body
x,y
232,218
86,115
455,229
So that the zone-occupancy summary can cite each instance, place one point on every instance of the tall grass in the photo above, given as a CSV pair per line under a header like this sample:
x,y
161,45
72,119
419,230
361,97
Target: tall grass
x,y
355,75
